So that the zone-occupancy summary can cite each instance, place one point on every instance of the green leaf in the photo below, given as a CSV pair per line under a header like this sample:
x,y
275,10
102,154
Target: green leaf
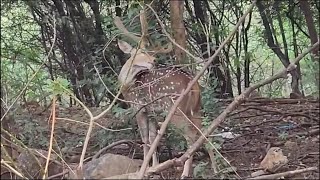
x,y
236,62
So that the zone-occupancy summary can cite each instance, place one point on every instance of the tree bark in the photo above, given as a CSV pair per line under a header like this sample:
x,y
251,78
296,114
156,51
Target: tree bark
x,y
247,57
178,29
305,8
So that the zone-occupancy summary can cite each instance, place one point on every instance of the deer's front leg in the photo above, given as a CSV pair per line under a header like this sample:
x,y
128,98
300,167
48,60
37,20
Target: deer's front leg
x,y
152,137
142,122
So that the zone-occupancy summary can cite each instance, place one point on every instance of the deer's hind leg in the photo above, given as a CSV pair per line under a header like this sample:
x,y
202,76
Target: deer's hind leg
x,y
190,133
194,132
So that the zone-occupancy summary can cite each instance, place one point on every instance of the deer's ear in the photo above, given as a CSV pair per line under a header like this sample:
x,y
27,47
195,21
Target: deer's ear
x,y
124,46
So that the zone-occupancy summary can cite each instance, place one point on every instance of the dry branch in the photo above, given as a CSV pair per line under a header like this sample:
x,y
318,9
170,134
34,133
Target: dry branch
x,y
53,115
285,174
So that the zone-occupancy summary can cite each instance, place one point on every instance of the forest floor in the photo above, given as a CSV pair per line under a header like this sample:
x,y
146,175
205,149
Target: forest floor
x,y
290,124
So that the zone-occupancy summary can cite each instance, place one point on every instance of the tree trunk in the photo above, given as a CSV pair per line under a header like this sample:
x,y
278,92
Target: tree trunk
x,y
276,49
178,29
305,7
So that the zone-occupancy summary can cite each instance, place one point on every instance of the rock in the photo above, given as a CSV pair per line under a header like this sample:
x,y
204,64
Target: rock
x,y
110,165
30,167
124,176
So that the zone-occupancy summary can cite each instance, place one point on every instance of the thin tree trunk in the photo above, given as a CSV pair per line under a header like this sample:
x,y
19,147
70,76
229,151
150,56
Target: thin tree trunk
x,y
178,29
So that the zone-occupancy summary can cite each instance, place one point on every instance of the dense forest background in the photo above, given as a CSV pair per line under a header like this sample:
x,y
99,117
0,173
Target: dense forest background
x,y
67,49
274,33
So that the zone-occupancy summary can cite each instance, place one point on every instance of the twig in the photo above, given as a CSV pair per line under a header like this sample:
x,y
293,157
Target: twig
x,y
284,174
306,133
53,113
30,151
262,122
283,101
275,111
109,91
213,162
177,102
12,169
92,119
107,129
59,174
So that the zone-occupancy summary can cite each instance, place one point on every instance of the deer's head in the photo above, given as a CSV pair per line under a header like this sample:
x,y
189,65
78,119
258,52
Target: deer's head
x,y
139,61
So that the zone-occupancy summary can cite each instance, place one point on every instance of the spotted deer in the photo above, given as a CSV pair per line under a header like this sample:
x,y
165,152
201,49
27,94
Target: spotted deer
x,y
153,88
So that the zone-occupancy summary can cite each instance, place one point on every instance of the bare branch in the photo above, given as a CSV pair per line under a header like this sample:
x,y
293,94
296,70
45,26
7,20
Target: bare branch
x,y
284,174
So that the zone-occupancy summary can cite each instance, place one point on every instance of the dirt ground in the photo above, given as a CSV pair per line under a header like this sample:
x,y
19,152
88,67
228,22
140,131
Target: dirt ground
x,y
291,124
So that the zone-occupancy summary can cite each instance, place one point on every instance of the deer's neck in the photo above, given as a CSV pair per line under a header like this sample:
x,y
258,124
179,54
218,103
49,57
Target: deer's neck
x,y
126,85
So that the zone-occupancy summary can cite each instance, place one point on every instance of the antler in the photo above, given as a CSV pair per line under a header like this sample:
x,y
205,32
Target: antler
x,y
162,50
144,26
144,29
143,38
121,27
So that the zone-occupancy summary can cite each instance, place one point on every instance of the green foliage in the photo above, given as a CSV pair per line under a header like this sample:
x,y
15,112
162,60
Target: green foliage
x,y
21,42
20,53
175,139
31,133
283,135
121,113
199,170
210,105
236,62
57,87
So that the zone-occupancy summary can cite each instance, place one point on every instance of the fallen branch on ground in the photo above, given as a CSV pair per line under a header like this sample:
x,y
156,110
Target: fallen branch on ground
x,y
285,174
